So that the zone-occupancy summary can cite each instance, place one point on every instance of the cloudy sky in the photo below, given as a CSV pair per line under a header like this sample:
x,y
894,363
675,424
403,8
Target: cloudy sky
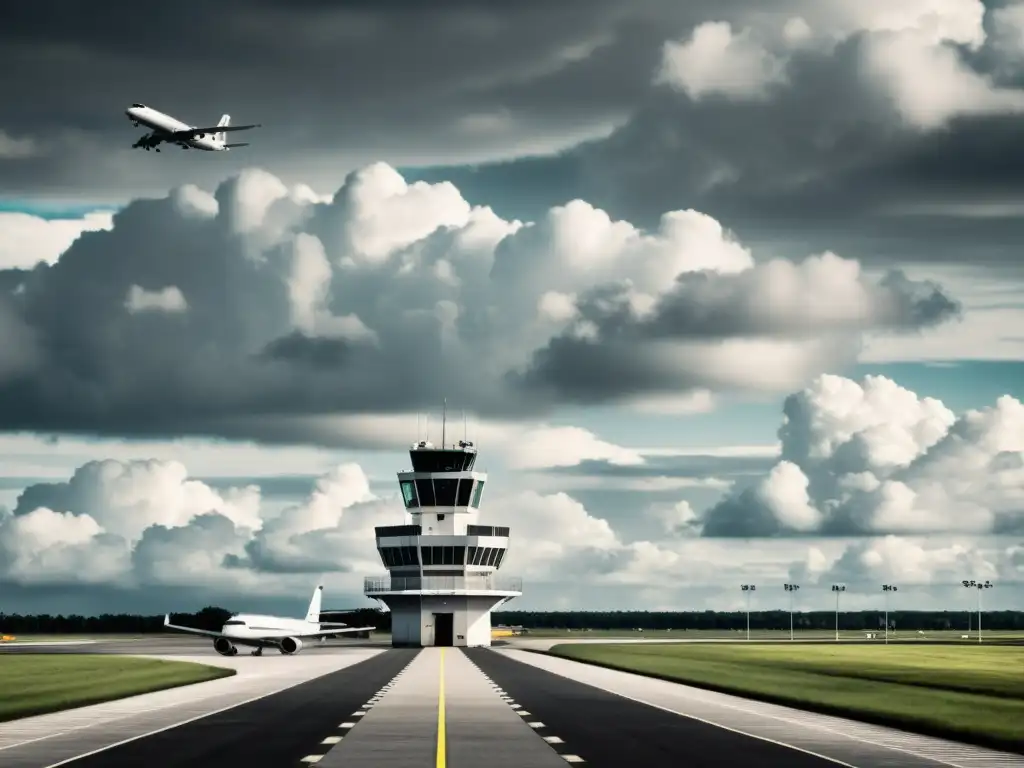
x,y
726,294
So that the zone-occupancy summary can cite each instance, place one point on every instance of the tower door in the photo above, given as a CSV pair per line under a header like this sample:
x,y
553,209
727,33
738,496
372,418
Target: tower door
x,y
444,628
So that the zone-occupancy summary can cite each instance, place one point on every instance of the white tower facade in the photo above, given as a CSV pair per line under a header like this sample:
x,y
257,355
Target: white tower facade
x,y
442,583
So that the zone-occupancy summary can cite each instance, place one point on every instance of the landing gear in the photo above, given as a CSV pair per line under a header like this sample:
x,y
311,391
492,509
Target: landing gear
x,y
257,652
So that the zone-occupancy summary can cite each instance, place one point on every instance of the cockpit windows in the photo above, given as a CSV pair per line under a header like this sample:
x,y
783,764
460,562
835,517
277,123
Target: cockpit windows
x,y
234,623
138,106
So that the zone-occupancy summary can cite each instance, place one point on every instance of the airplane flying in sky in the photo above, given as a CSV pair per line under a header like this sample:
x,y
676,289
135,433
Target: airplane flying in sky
x,y
166,129
270,631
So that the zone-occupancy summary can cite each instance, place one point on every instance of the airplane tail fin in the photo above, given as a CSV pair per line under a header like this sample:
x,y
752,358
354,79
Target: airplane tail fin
x,y
313,614
224,120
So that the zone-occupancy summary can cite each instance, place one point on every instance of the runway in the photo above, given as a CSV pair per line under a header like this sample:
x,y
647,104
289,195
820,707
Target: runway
x,y
371,707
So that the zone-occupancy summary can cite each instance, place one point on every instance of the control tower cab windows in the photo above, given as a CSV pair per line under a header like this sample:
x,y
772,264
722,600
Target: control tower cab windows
x,y
476,494
465,493
409,494
445,491
425,492
426,460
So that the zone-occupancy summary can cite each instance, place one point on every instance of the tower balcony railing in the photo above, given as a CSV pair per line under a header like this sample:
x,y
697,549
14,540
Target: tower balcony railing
x,y
487,582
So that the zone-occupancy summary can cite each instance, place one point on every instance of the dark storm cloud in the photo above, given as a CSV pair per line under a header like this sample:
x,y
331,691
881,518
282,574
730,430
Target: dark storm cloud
x,y
617,354
825,161
338,82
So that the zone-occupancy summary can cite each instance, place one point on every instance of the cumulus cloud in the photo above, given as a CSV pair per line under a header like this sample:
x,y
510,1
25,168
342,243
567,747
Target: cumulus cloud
x,y
27,240
909,563
873,458
137,524
773,323
905,52
147,528
562,447
294,309
146,522
930,84
715,60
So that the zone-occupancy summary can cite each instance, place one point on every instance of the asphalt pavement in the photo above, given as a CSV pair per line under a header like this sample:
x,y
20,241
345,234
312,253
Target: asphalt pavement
x,y
278,730
609,731
557,710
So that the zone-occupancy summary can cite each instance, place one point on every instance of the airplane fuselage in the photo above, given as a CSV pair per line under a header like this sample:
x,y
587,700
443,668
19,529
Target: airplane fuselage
x,y
248,626
166,125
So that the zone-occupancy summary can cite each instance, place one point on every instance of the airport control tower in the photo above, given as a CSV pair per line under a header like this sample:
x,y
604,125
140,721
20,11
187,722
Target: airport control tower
x,y
443,581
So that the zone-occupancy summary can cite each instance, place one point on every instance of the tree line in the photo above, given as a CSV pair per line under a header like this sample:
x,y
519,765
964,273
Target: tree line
x,y
212,618
760,620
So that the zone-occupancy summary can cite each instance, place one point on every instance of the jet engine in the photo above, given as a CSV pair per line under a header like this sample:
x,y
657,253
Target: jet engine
x,y
290,645
224,647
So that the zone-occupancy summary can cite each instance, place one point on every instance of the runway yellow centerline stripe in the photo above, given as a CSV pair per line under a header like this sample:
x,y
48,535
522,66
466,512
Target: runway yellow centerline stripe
x,y
442,759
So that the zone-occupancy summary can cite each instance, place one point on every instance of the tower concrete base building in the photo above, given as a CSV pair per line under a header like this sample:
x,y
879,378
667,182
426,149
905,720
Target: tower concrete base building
x,y
442,583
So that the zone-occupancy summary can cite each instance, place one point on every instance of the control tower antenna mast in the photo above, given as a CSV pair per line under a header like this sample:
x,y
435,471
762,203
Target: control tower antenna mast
x,y
444,418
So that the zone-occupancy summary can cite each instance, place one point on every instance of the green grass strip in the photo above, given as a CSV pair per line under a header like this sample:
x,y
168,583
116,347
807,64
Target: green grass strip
x,y
35,684
973,694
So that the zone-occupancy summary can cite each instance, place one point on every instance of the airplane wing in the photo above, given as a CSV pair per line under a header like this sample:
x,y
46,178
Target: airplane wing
x,y
337,631
193,132
193,630
270,640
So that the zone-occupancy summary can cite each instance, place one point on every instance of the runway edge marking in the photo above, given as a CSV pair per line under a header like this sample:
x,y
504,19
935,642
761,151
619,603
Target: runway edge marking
x,y
805,724
768,739
179,724
551,741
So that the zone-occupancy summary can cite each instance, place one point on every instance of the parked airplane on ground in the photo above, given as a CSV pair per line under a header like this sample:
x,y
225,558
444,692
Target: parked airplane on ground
x,y
166,129
270,631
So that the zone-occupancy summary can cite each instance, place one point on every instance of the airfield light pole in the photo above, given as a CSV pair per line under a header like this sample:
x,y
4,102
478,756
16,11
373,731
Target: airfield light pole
x,y
886,589
791,588
979,585
838,588
748,588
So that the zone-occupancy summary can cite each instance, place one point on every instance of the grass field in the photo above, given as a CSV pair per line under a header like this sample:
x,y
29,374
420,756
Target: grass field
x,y
770,634
54,638
37,684
971,693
